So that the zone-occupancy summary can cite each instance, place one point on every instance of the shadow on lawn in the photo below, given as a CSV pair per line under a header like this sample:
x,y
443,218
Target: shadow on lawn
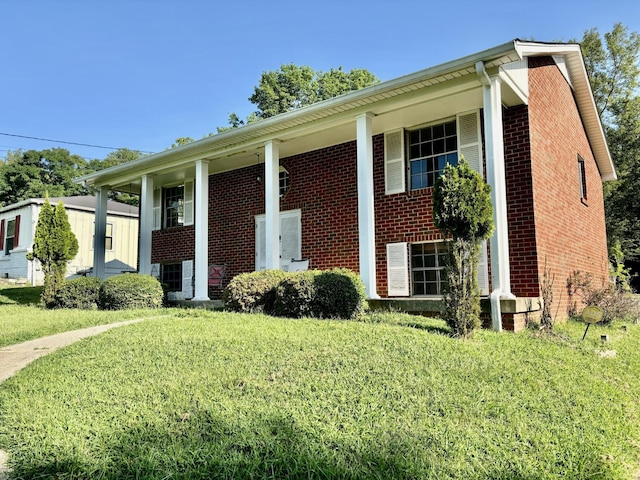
x,y
20,295
200,446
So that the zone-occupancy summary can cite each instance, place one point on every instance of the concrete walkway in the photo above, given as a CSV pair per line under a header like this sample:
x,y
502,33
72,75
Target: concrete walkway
x,y
14,358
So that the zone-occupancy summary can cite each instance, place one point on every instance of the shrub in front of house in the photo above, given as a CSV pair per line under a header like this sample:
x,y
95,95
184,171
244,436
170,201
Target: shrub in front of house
x,y
253,291
131,290
338,293
82,293
296,296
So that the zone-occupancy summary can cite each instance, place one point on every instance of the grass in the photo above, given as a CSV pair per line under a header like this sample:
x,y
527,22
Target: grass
x,y
10,295
21,319
219,395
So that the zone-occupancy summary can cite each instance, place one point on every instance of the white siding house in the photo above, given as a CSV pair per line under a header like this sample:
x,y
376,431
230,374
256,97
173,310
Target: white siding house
x,y
18,225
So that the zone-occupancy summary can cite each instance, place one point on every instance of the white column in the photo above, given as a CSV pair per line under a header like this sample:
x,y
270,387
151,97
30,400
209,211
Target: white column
x,y
100,232
500,268
201,207
272,203
146,224
366,215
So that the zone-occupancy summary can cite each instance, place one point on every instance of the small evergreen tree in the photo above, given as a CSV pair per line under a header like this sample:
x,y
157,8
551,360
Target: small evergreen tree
x,y
54,245
462,209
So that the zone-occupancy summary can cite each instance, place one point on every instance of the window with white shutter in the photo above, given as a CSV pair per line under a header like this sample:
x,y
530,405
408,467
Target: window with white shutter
x,y
470,146
397,270
394,167
187,279
470,140
188,202
157,209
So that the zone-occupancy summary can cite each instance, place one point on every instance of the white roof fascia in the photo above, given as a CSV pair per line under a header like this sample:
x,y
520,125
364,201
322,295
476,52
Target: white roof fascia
x,y
579,80
358,101
352,101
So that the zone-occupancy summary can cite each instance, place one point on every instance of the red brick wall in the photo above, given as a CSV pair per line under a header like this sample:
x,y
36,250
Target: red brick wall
x,y
570,234
322,186
545,215
523,256
401,217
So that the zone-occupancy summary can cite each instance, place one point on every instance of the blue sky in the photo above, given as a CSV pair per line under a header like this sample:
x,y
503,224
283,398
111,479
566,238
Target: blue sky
x,y
141,73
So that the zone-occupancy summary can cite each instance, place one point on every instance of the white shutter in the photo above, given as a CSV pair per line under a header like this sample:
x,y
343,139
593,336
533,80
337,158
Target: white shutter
x,y
290,241
397,270
157,209
470,146
187,279
483,270
261,243
470,140
155,271
188,202
394,168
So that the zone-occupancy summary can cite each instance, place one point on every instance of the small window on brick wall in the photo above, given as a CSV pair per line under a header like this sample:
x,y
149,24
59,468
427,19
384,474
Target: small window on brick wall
x,y
171,274
582,177
427,265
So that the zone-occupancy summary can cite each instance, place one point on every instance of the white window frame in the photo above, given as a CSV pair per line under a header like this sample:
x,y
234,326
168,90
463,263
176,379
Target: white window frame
x,y
447,152
439,269
7,250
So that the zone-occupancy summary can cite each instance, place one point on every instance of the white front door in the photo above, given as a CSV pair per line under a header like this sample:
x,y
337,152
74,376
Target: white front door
x,y
290,239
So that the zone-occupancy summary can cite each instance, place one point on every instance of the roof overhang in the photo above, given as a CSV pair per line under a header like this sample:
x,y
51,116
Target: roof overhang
x,y
332,121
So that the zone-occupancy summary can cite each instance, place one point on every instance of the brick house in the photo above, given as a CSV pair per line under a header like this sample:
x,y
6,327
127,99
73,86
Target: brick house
x,y
348,183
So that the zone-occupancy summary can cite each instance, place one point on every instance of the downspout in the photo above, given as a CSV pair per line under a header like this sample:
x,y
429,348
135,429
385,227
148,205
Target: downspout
x,y
500,270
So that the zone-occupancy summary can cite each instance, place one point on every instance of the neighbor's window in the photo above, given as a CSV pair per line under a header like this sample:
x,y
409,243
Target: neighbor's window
x,y
173,206
10,236
582,176
427,264
172,276
430,149
108,238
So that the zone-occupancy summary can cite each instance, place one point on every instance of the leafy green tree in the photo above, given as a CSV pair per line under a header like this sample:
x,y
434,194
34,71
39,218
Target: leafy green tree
x,y
31,174
54,245
294,86
116,157
181,141
462,209
612,62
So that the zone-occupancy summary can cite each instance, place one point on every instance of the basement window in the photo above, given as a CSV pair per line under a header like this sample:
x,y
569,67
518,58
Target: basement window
x,y
172,276
427,268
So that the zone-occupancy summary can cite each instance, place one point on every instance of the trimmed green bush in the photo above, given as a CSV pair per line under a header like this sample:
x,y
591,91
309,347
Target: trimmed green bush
x,y
82,293
340,293
253,292
296,296
131,290
337,293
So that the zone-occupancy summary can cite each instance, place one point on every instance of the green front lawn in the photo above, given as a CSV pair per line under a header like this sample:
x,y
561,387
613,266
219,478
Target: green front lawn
x,y
220,395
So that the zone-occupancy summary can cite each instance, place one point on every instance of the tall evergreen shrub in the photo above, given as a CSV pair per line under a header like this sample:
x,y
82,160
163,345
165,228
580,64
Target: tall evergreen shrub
x,y
462,209
54,244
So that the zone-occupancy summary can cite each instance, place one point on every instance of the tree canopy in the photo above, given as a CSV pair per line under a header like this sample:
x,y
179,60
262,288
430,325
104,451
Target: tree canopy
x,y
293,86
612,62
38,173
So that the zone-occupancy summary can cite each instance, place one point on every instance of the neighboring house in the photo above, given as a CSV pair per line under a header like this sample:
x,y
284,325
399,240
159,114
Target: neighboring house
x,y
18,226
348,182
